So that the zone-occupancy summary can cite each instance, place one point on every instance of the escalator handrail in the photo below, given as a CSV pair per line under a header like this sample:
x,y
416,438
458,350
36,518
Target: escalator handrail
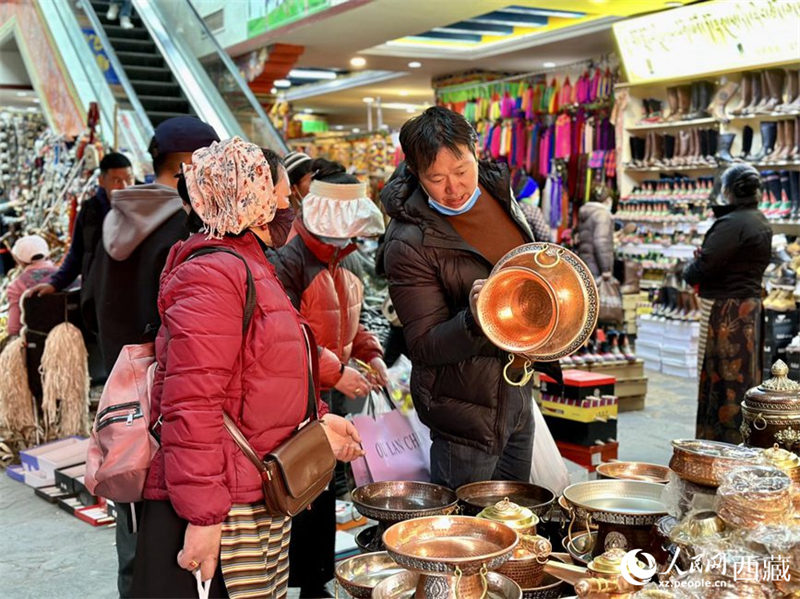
x,y
133,97
280,143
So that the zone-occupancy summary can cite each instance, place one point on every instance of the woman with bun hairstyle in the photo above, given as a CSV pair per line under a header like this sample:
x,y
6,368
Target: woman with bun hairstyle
x,y
728,269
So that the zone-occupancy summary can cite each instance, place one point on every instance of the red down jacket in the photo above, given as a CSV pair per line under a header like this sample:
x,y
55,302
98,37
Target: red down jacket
x,y
204,368
329,297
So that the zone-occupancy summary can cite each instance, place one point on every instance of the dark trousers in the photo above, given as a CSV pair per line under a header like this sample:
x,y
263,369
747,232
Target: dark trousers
x,y
454,464
126,547
313,545
156,572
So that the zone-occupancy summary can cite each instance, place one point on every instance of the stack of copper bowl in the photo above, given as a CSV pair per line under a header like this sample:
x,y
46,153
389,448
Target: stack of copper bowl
x,y
707,463
752,496
390,502
475,497
360,574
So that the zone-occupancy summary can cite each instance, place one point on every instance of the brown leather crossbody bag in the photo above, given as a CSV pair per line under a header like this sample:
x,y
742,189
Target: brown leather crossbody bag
x,y
298,470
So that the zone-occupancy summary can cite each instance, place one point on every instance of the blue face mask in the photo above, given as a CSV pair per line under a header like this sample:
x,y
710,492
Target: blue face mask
x,y
455,211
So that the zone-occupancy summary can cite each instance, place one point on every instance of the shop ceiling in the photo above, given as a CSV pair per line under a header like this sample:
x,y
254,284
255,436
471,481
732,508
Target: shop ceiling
x,y
445,36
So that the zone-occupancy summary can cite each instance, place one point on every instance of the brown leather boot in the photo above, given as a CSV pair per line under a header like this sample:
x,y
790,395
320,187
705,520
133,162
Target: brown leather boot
x,y
774,79
746,95
782,154
684,101
791,92
648,148
672,102
684,147
757,89
793,104
795,152
657,150
721,98
780,142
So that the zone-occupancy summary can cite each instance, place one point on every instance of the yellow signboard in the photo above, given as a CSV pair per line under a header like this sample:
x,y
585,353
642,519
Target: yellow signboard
x,y
710,37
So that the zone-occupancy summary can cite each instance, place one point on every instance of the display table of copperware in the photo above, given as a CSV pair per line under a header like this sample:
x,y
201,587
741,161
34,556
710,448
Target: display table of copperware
x,y
390,502
452,557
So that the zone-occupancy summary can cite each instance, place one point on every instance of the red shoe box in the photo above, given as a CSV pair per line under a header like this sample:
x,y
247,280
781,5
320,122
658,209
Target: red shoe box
x,y
579,384
589,457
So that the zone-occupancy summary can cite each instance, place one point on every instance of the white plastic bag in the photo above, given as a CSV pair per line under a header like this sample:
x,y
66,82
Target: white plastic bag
x,y
547,468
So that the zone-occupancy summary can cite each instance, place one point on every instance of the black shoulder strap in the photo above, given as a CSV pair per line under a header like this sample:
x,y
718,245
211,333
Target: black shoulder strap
x,y
250,298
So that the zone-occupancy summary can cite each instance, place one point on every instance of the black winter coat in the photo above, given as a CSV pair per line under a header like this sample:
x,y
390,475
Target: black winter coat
x,y
457,375
120,299
734,256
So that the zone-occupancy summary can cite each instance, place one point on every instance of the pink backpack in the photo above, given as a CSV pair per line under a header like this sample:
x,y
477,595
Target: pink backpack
x,y
121,446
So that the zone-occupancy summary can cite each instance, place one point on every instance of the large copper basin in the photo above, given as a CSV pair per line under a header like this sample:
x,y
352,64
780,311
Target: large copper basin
x,y
440,544
507,308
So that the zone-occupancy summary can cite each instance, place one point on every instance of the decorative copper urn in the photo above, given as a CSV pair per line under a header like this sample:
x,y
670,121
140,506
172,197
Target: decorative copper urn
x,y
539,303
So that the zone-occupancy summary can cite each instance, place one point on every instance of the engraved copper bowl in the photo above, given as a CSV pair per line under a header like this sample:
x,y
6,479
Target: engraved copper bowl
x,y
405,585
369,539
549,587
627,498
395,501
709,462
643,471
476,496
576,304
447,544
358,575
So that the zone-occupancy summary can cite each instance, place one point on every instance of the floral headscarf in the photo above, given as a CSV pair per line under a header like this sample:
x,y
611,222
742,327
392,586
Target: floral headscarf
x,y
230,187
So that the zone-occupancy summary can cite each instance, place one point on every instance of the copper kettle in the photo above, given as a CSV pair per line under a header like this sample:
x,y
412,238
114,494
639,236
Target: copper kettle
x,y
539,303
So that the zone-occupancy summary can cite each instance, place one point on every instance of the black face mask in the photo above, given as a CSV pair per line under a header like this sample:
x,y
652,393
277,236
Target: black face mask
x,y
280,226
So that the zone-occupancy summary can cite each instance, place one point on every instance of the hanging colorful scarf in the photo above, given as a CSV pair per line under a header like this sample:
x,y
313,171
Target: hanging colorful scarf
x,y
565,95
496,141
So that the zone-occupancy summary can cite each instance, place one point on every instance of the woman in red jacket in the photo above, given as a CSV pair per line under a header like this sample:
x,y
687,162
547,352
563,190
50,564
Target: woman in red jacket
x,y
201,490
313,267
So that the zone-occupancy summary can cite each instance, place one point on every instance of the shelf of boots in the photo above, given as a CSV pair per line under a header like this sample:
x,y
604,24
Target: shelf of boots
x,y
679,124
664,169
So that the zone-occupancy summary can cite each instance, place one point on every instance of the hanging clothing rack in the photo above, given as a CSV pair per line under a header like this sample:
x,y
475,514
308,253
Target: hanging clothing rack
x,y
605,60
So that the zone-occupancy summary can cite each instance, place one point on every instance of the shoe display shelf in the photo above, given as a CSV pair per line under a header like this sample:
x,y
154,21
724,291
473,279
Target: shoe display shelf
x,y
697,128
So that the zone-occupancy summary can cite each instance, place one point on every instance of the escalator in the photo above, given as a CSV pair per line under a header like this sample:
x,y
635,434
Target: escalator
x,y
159,93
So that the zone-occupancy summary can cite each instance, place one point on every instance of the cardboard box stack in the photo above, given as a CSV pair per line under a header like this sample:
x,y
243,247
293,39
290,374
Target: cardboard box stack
x,y
632,303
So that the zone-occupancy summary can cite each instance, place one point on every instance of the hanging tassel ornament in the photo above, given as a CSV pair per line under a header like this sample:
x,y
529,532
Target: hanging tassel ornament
x,y
65,383
16,400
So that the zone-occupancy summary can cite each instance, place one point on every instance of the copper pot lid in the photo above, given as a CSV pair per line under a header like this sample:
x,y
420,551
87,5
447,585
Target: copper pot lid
x,y
609,563
777,393
782,459
510,514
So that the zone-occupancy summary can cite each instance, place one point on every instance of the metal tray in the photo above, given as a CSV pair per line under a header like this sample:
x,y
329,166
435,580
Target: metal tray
x,y
652,473
624,497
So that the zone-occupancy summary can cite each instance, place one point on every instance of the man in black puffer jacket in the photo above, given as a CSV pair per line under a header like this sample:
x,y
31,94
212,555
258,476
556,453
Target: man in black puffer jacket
x,y
452,220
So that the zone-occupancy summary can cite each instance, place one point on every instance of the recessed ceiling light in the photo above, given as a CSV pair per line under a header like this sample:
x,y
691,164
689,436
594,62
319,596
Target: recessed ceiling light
x,y
403,92
35,100
274,90
338,127
282,83
548,65
414,64
356,130
368,99
358,61
21,94
307,110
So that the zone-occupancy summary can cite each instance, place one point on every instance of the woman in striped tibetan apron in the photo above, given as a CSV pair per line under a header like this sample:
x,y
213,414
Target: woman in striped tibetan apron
x,y
728,269
230,343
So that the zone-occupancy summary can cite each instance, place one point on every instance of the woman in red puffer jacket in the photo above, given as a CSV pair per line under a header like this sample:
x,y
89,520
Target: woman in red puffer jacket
x,y
201,489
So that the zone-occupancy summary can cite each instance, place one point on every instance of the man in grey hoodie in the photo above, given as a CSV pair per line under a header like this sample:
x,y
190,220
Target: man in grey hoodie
x,y
144,222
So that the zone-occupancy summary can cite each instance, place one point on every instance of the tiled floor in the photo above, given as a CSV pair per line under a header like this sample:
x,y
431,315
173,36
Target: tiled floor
x,y
49,554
